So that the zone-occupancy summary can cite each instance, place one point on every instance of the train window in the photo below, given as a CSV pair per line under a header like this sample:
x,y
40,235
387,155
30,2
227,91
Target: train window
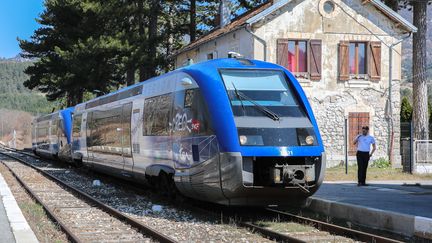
x,y
126,133
269,88
104,129
156,115
54,127
189,95
266,93
190,114
76,129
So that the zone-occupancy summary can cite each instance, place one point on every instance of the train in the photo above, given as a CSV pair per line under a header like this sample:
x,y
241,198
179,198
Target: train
x,y
231,131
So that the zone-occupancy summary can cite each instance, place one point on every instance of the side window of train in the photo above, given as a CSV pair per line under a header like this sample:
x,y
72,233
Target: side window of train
x,y
105,127
196,110
156,115
76,129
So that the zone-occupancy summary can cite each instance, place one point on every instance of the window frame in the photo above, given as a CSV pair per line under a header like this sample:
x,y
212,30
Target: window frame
x,y
168,132
210,55
296,44
356,74
286,78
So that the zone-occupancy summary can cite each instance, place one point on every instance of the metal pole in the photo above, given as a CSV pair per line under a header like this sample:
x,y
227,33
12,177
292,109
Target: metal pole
x,y
346,146
411,147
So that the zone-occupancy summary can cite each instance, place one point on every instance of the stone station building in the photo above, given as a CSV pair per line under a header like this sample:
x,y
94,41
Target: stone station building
x,y
340,52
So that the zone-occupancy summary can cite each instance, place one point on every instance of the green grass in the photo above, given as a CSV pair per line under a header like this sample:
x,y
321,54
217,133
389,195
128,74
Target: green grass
x,y
380,172
285,227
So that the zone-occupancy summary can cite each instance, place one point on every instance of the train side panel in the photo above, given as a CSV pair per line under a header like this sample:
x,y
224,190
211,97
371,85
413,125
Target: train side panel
x,y
47,135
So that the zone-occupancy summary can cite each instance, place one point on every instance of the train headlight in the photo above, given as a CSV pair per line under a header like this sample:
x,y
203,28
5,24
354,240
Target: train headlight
x,y
309,140
243,140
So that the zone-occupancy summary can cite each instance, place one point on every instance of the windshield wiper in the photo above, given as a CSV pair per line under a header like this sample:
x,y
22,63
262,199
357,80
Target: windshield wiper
x,y
239,98
263,109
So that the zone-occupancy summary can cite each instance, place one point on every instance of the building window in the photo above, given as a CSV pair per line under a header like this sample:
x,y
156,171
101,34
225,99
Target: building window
x,y
329,7
357,58
297,56
301,57
356,120
210,56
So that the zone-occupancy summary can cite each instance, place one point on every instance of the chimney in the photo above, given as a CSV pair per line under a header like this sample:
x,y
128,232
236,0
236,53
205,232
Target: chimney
x,y
224,13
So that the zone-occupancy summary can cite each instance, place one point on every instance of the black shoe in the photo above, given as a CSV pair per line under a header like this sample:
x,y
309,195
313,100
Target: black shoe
x,y
359,184
364,184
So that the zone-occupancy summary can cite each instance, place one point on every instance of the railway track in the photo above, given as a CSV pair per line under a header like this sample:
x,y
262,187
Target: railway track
x,y
330,228
82,217
305,229
325,232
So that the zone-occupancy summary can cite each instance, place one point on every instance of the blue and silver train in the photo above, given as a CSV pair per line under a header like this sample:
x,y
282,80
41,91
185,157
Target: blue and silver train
x,y
230,131
52,134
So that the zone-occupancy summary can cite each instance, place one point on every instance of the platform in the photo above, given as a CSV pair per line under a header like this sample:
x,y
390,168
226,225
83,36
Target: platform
x,y
401,207
14,227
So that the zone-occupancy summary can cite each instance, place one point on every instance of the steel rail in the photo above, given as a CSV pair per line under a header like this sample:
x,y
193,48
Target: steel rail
x,y
50,213
269,233
331,228
334,229
116,213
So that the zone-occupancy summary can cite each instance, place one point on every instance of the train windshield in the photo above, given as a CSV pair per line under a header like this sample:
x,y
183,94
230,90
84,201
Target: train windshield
x,y
266,108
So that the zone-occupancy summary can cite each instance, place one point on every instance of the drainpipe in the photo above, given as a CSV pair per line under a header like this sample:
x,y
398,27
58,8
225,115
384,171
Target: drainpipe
x,y
263,42
390,100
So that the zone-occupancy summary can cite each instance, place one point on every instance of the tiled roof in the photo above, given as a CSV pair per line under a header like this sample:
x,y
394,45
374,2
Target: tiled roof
x,y
237,23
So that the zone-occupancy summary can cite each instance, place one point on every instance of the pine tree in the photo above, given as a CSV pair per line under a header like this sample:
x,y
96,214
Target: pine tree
x,y
73,53
420,103
406,110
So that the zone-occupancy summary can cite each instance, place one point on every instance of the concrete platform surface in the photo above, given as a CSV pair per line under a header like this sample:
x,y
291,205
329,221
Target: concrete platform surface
x,y
397,206
14,227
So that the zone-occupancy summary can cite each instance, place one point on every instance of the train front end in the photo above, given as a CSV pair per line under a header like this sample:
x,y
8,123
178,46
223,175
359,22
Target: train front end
x,y
271,152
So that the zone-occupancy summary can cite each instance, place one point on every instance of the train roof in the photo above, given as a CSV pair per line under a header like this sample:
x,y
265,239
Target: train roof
x,y
211,66
230,63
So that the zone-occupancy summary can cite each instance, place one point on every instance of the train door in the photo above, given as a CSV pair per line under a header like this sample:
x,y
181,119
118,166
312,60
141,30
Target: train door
x,y
126,136
33,130
195,147
87,128
78,136
194,141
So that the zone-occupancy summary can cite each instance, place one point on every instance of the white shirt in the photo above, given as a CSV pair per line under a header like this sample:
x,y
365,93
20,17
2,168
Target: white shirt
x,y
364,143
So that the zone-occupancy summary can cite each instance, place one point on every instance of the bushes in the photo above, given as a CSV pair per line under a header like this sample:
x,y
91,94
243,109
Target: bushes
x,y
381,163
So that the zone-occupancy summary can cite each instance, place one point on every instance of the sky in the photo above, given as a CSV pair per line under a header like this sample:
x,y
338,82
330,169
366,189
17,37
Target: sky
x,y
17,19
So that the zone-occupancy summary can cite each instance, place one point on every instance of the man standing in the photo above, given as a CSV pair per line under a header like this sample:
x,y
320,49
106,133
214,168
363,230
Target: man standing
x,y
364,142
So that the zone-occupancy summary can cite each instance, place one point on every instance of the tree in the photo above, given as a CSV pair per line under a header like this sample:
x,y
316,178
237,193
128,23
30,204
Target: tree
x,y
89,47
192,25
73,53
406,110
420,117
419,72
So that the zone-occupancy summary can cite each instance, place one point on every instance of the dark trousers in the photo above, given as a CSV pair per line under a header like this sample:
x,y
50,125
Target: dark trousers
x,y
362,162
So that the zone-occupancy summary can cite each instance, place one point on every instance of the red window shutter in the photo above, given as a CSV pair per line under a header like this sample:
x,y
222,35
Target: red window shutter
x,y
315,51
374,60
344,60
282,52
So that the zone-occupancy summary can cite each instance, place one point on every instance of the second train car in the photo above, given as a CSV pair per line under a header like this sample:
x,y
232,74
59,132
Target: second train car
x,y
51,134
